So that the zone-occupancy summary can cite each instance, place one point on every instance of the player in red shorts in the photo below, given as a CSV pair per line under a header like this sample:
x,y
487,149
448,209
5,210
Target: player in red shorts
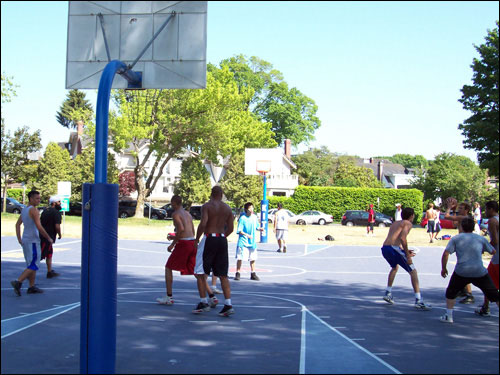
x,y
492,214
184,246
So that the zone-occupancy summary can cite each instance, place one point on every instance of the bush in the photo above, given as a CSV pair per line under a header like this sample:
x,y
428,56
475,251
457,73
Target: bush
x,y
337,200
16,194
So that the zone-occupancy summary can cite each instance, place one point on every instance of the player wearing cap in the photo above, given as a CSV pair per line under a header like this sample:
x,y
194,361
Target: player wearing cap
x,y
51,222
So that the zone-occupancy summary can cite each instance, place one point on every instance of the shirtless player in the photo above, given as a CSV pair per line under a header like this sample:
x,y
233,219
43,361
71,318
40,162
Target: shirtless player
x,y
215,225
395,251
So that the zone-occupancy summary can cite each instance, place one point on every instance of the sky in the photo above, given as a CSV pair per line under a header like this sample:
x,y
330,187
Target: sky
x,y
386,76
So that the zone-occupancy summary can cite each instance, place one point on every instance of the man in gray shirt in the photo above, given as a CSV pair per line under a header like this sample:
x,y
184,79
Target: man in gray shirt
x,y
469,248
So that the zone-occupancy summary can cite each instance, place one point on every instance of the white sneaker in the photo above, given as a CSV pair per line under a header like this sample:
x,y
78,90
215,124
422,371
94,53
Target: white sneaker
x,y
216,291
388,298
213,302
165,300
446,319
420,305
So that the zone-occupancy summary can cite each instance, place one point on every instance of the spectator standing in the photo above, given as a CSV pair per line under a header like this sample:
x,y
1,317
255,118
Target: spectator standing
x,y
51,222
469,248
430,214
371,219
397,214
30,242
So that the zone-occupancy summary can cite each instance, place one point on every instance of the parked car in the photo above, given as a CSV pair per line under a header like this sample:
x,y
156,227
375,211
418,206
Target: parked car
x,y
313,217
272,212
127,209
169,209
13,206
195,212
360,217
75,208
445,224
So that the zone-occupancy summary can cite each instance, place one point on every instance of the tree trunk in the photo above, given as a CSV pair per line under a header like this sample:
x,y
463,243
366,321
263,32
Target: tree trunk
x,y
141,191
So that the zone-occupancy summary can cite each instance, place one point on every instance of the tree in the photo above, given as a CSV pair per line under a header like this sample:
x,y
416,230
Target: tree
x,y
54,166
291,113
349,175
212,122
407,160
315,167
8,88
450,175
481,130
74,110
194,185
126,180
15,155
238,187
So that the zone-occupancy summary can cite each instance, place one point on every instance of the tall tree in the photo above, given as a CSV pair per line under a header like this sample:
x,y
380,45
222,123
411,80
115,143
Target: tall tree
x,y
349,175
238,187
451,175
481,130
194,185
212,122
15,155
74,110
291,113
315,167
407,160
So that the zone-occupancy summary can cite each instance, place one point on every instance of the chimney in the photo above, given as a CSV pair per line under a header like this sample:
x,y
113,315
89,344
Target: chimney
x,y
79,127
380,168
288,148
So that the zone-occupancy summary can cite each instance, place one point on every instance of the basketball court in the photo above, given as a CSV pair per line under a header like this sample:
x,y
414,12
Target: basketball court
x,y
317,309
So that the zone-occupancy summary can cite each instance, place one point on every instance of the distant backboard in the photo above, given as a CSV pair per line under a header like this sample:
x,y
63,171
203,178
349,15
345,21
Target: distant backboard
x,y
262,159
176,59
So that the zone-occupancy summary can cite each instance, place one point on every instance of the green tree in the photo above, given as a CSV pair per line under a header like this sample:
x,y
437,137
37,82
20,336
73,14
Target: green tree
x,y
291,113
212,122
16,149
315,167
74,110
451,175
8,88
349,175
194,185
407,160
54,166
82,171
238,187
481,130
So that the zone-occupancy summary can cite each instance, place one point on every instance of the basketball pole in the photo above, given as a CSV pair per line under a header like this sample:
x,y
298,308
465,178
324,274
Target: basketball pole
x,y
100,243
264,207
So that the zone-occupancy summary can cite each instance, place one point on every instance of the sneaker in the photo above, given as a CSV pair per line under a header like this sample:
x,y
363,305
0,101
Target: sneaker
x,y
253,276
52,274
482,311
388,298
227,310
461,294
284,249
237,276
201,307
165,300
446,319
213,302
34,289
278,251
216,291
468,299
17,287
420,305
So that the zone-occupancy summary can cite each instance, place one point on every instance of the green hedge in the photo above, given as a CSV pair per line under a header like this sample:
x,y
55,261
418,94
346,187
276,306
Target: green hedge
x,y
17,194
337,200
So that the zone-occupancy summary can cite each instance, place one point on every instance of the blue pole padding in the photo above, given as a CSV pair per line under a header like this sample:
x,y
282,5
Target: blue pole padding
x,y
102,111
99,279
264,207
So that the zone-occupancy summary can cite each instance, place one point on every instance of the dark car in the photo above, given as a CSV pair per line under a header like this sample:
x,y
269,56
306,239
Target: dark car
x,y
13,206
169,209
359,217
195,212
127,209
75,208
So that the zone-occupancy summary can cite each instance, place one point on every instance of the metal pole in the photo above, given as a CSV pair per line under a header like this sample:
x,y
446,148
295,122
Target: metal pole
x,y
264,207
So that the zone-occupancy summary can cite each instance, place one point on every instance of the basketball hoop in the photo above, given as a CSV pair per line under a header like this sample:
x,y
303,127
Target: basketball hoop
x,y
263,166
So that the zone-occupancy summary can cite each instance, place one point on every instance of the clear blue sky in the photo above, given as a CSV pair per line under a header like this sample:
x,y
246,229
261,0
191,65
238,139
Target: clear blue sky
x,y
386,76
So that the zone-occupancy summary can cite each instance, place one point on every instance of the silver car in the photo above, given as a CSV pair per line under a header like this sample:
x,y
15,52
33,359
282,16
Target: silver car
x,y
272,212
313,217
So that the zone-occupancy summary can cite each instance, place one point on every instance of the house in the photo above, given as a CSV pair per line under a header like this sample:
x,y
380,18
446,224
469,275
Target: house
x,y
392,175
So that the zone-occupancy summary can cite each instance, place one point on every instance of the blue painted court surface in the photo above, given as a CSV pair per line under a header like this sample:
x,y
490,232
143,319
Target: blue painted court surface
x,y
317,309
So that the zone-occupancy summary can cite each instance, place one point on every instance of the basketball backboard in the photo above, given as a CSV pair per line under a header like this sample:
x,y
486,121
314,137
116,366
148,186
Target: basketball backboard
x,y
176,59
261,159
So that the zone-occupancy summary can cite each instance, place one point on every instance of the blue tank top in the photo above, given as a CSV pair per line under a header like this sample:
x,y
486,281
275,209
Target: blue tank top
x,y
30,232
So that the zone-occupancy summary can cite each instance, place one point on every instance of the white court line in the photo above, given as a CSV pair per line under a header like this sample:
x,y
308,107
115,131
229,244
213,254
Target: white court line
x,y
288,316
55,245
153,319
253,320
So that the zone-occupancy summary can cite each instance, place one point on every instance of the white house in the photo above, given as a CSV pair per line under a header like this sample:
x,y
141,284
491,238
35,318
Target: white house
x,y
392,175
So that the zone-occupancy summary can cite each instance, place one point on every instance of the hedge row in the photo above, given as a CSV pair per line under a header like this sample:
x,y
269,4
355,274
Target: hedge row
x,y
337,200
17,194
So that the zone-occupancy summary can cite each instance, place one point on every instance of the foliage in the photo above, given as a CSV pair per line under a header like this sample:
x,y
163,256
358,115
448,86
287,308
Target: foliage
x,y
291,113
8,88
238,187
17,194
212,122
74,109
407,160
16,166
337,200
450,175
82,171
481,130
126,180
194,185
350,175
